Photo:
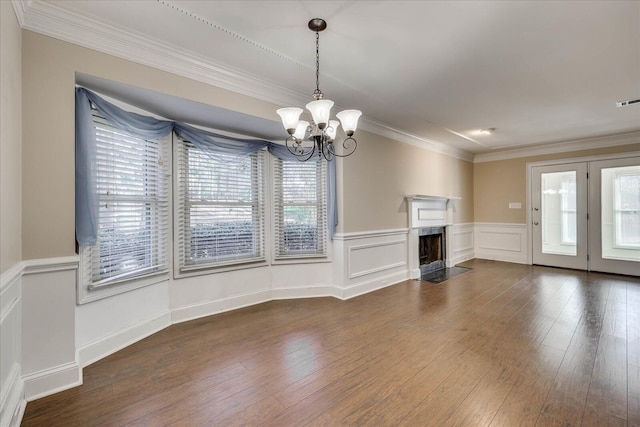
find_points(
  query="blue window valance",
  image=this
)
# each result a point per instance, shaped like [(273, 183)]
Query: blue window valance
[(151, 128)]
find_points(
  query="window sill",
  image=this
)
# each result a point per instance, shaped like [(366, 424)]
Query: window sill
[(206, 270), (85, 295), (302, 260)]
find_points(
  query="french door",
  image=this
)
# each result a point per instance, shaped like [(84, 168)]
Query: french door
[(586, 215), (614, 210), (559, 215)]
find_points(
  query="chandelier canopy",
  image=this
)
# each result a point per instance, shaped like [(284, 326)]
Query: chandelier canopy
[(319, 134)]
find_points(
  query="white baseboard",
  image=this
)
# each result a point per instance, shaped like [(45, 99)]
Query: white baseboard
[(51, 381), (196, 311), (112, 343)]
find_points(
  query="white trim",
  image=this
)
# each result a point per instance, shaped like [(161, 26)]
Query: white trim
[(382, 129), (501, 242), (49, 265), (499, 224), (561, 147), (53, 21), (20, 9), (13, 403), (110, 344), (12, 274), (369, 234), (372, 285), (312, 291), (353, 275), (52, 380), (461, 253), (209, 308), (11, 290), (529, 195)]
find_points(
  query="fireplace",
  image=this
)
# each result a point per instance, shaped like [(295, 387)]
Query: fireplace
[(430, 240), (431, 249)]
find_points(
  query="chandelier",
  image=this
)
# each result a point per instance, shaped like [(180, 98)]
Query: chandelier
[(319, 134)]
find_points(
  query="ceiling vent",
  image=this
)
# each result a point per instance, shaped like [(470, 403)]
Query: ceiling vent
[(626, 103)]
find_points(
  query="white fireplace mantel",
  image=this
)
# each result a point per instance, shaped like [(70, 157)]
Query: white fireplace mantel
[(429, 211)]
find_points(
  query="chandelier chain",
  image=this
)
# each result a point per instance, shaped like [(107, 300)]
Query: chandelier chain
[(317, 94)]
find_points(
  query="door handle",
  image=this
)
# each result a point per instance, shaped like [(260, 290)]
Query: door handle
[(535, 223), (536, 209)]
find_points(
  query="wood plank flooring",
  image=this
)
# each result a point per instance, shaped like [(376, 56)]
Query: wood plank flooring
[(502, 345)]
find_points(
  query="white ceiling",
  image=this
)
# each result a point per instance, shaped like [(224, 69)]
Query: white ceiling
[(539, 72)]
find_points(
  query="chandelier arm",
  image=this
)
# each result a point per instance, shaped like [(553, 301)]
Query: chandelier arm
[(311, 153), (346, 144), (298, 150), (326, 150)]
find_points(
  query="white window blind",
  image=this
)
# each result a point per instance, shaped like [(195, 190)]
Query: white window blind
[(133, 179), (220, 208), (300, 209)]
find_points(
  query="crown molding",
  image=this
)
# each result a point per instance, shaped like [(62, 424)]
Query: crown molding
[(387, 131), (20, 7), (562, 147), (53, 21)]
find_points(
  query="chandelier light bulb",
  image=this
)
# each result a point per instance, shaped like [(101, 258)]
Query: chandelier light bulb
[(349, 120), (301, 130), (332, 129), (290, 117), (320, 111)]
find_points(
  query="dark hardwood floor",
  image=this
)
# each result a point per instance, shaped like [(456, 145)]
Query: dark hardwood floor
[(502, 345)]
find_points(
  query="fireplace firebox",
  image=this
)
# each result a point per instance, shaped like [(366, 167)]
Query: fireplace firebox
[(431, 249)]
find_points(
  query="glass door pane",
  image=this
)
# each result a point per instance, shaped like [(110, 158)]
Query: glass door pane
[(620, 216), (558, 213), (614, 228)]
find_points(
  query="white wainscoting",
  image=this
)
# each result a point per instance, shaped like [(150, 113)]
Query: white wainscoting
[(369, 261), (111, 324), (501, 242), (12, 402), (461, 241), (49, 356)]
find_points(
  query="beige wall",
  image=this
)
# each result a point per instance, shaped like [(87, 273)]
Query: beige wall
[(383, 171), (375, 180), (497, 183), (49, 68), (10, 138)]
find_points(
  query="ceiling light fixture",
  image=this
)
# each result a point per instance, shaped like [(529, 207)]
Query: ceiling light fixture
[(321, 131), (487, 131)]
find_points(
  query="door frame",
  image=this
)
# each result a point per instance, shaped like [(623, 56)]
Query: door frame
[(580, 259), (529, 195)]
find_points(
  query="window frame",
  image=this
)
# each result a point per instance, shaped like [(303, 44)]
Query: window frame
[(180, 271), (322, 207), (90, 290), (617, 212)]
